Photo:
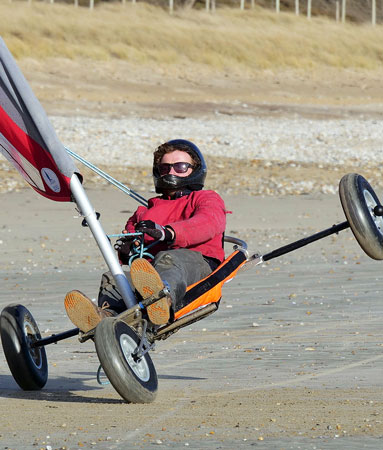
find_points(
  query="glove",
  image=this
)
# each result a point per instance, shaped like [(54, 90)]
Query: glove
[(158, 232), (123, 247)]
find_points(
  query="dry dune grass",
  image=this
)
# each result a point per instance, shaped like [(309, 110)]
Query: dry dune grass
[(229, 40)]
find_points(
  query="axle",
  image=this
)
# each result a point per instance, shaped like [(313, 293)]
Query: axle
[(55, 338), (307, 240)]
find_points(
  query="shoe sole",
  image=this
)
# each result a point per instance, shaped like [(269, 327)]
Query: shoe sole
[(148, 282), (81, 311)]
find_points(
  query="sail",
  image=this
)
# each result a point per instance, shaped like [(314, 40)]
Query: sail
[(27, 138)]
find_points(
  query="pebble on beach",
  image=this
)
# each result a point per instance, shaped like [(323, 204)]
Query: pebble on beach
[(252, 155)]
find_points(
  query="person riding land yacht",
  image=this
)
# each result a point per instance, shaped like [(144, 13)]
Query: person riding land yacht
[(188, 223)]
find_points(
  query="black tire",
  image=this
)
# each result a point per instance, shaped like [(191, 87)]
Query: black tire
[(358, 201), (19, 330), (135, 381)]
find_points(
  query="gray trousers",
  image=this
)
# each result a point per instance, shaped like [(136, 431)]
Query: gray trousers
[(177, 268), (180, 268)]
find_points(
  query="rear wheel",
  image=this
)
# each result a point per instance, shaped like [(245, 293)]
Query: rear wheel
[(27, 364), (135, 379), (361, 207)]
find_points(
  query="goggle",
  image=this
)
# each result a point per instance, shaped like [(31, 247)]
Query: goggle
[(179, 167)]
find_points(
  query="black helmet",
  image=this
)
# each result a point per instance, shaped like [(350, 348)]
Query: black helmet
[(193, 182)]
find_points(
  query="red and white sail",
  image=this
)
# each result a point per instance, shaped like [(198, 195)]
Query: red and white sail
[(27, 138)]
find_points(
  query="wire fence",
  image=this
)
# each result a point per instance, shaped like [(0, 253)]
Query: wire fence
[(300, 7)]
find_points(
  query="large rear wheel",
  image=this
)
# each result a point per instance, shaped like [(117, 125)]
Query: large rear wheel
[(19, 331), (363, 212), (135, 379)]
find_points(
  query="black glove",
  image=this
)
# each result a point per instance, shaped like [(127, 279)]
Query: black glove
[(158, 232), (123, 247)]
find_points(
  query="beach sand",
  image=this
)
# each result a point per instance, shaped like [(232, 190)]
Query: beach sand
[(292, 358)]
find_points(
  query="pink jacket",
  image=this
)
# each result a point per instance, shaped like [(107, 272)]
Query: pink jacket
[(198, 219)]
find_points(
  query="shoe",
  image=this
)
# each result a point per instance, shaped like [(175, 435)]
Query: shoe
[(148, 282), (83, 313)]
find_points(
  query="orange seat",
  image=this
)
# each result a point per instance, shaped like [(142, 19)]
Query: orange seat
[(208, 290)]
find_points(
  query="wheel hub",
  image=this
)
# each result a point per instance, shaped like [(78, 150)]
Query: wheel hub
[(138, 366), (372, 205), (33, 351)]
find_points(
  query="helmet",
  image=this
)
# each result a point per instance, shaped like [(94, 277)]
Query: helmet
[(193, 182)]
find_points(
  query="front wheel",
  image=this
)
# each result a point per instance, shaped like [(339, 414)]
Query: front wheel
[(134, 379), (27, 364), (361, 207)]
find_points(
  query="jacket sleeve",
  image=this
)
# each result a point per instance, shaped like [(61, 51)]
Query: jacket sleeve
[(134, 219), (207, 221)]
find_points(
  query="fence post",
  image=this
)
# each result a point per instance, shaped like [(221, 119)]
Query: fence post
[(242, 5), (91, 4), (337, 11), (213, 6), (171, 6), (277, 6), (207, 5), (343, 11), (297, 7), (76, 3), (309, 9), (373, 13)]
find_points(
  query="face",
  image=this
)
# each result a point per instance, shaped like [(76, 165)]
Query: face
[(177, 156)]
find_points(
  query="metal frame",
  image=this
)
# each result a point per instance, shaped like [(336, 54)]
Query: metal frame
[(305, 241), (171, 328), (103, 243)]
